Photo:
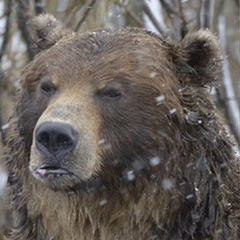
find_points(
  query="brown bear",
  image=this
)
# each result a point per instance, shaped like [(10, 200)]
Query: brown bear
[(115, 136)]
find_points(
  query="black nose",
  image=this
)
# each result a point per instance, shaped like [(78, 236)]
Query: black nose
[(54, 138)]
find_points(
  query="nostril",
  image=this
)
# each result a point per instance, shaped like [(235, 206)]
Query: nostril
[(64, 141), (58, 139), (43, 138)]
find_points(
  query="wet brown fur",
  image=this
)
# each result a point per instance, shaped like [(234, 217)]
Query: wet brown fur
[(191, 194)]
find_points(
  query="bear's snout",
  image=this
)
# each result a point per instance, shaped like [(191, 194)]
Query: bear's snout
[(56, 139)]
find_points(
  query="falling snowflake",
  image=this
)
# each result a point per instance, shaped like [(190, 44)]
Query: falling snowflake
[(160, 99), (189, 196), (153, 74), (167, 184), (130, 175), (155, 161), (101, 141), (172, 111), (103, 202)]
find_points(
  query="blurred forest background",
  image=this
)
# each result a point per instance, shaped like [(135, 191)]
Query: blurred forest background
[(171, 18)]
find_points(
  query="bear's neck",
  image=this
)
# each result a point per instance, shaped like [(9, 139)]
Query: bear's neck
[(134, 209)]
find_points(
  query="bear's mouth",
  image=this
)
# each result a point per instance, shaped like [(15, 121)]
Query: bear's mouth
[(48, 171)]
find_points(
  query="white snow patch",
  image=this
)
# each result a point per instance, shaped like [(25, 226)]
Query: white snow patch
[(130, 175), (153, 74), (167, 184), (5, 127), (172, 111), (101, 141), (155, 161), (103, 202), (189, 196), (160, 99)]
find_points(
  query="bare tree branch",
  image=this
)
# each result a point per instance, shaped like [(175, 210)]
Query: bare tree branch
[(198, 16), (2, 135), (7, 26), (177, 18), (169, 9), (88, 7), (237, 3), (148, 12), (232, 108), (207, 14), (40, 6), (183, 22), (2, 51), (23, 15), (134, 17)]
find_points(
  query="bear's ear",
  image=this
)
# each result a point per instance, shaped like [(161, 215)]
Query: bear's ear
[(200, 58), (46, 31)]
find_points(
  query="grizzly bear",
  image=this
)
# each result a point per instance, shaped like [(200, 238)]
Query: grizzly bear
[(115, 137)]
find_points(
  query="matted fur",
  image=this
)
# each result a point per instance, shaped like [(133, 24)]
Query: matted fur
[(154, 161)]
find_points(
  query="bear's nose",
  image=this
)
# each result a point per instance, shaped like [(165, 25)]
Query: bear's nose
[(54, 138)]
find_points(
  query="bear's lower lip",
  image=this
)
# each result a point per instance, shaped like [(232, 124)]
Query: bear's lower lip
[(51, 171)]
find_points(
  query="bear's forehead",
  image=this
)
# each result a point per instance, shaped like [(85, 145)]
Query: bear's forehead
[(102, 54), (110, 43)]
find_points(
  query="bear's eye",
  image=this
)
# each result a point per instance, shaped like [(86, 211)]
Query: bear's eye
[(110, 93), (48, 87)]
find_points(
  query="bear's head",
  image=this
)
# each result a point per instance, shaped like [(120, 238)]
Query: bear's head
[(107, 106)]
